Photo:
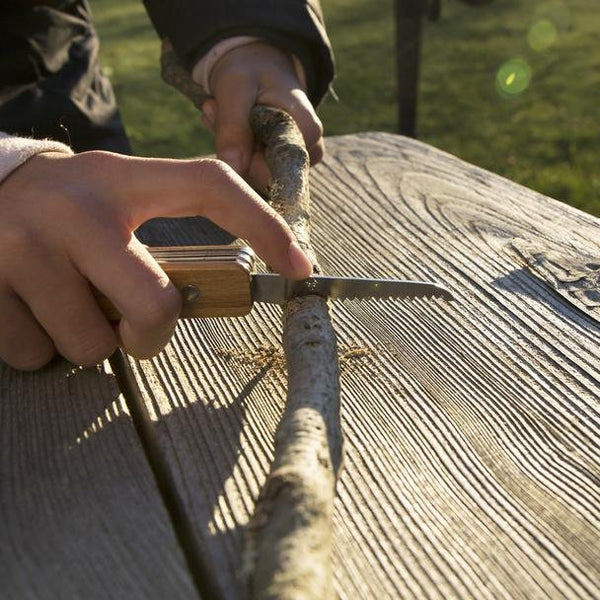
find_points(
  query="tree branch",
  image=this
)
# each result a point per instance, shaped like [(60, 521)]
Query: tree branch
[(290, 537), (288, 552)]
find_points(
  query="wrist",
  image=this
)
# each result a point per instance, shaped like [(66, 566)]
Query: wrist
[(14, 151), (203, 69)]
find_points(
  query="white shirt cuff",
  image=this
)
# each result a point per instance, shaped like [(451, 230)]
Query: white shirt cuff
[(14, 151)]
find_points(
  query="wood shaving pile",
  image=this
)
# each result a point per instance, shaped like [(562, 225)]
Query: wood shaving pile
[(272, 357), (260, 357)]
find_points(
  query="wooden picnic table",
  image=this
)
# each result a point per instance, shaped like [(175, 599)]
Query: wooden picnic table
[(472, 427)]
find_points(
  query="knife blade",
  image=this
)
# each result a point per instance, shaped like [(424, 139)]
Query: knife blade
[(218, 281), (274, 289)]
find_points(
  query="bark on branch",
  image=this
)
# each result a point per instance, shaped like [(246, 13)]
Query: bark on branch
[(176, 76), (290, 536)]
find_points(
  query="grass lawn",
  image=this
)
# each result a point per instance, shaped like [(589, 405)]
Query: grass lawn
[(512, 87)]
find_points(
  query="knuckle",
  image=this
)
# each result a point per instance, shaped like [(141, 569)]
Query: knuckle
[(213, 167), (160, 310), (17, 241), (89, 348), (212, 172), (31, 357), (82, 169), (90, 177), (313, 132)]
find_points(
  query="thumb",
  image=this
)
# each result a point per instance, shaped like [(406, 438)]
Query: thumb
[(144, 188)]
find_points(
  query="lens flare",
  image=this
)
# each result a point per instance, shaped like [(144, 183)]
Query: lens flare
[(542, 34), (513, 77)]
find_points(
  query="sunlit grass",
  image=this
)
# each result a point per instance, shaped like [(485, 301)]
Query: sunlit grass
[(159, 121), (540, 127)]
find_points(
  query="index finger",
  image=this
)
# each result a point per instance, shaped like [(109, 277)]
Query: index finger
[(148, 188)]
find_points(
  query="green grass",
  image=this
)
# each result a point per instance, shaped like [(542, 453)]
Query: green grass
[(545, 137)]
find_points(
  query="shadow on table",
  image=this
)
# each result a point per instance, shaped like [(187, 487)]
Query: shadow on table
[(194, 450)]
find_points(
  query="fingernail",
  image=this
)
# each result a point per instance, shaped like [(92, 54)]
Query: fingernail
[(233, 158), (300, 263)]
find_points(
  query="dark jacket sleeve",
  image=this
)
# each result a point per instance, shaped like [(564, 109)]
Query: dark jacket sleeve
[(194, 26)]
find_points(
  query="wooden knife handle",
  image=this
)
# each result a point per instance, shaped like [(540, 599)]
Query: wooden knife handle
[(214, 281)]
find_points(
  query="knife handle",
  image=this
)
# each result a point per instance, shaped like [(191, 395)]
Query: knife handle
[(214, 281)]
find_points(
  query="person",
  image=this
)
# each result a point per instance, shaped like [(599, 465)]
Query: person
[(72, 196)]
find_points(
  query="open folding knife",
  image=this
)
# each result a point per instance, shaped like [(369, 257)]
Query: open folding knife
[(218, 281)]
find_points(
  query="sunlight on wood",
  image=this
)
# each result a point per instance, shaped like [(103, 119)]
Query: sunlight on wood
[(117, 409)]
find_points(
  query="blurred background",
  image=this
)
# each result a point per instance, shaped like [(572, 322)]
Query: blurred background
[(513, 86)]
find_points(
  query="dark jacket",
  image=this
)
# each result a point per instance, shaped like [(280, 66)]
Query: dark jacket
[(51, 84), (193, 26)]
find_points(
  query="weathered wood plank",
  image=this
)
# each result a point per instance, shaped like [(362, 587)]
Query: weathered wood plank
[(472, 428), (80, 515)]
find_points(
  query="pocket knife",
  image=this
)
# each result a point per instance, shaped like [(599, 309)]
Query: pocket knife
[(219, 281)]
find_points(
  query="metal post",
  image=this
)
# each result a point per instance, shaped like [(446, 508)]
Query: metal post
[(409, 24)]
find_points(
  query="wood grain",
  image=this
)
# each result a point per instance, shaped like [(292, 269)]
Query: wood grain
[(472, 428), (80, 515)]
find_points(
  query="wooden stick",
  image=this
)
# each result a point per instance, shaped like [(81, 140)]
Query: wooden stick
[(290, 537), (288, 552), (289, 164), (175, 75)]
